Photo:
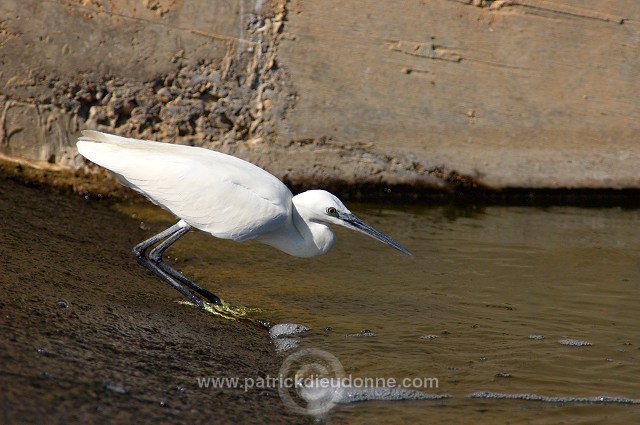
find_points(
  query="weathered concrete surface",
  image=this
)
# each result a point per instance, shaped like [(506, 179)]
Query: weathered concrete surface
[(440, 93), (167, 69), (524, 93)]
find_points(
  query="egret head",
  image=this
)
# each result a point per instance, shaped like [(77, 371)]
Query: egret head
[(320, 206)]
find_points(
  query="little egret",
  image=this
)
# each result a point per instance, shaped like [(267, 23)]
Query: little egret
[(221, 195)]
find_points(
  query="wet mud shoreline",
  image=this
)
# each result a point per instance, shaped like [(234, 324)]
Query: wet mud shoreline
[(101, 185), (88, 336)]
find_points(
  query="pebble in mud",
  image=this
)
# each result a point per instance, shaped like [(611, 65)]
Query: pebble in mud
[(116, 388)]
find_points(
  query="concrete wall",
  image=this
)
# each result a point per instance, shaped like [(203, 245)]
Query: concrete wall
[(523, 93)]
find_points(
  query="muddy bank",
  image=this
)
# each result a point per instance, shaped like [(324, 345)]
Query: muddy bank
[(88, 336), (98, 183)]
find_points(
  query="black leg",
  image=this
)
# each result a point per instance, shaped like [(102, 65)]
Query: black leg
[(156, 257), (154, 262)]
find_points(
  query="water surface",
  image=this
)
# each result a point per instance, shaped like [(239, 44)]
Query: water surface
[(482, 306)]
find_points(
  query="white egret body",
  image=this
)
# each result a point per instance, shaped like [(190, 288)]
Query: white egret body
[(222, 195)]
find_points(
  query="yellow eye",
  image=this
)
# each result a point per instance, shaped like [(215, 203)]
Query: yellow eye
[(332, 211)]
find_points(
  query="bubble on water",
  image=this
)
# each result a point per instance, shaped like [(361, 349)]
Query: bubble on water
[(429, 337), (284, 336), (287, 329), (574, 342), (602, 399), (286, 344), (536, 337)]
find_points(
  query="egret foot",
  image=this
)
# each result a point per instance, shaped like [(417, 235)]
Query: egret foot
[(226, 310)]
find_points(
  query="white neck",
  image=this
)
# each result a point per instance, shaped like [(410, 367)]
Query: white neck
[(300, 236)]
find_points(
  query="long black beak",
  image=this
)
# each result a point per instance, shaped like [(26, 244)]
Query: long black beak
[(352, 222)]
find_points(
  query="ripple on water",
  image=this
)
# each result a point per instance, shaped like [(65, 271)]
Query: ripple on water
[(602, 399), (505, 290), (362, 333), (574, 342), (353, 395)]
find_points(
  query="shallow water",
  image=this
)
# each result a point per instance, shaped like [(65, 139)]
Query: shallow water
[(482, 306)]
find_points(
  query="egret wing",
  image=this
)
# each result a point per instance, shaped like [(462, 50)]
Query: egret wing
[(211, 191)]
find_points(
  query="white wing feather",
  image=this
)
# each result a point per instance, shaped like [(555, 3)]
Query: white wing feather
[(217, 193)]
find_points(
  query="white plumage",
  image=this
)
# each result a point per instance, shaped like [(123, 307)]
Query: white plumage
[(211, 191)]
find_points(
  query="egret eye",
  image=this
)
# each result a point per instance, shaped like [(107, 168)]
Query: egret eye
[(332, 211)]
